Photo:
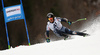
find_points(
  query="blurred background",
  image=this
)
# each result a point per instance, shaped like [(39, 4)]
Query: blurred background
[(35, 13)]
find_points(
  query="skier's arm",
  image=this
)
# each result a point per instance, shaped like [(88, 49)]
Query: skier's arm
[(47, 34), (47, 31), (66, 20), (47, 37)]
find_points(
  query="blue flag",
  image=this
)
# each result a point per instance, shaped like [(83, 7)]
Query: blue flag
[(13, 13)]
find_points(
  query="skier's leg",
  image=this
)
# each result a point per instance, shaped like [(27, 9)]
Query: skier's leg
[(68, 31), (58, 33)]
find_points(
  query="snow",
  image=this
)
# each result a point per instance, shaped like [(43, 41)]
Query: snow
[(78, 46)]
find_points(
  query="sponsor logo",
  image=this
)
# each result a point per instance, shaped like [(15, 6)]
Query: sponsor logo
[(14, 18), (13, 10)]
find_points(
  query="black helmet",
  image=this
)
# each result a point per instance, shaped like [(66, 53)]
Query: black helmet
[(50, 15)]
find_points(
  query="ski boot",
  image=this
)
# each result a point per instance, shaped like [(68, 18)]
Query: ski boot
[(82, 34), (86, 35), (65, 37)]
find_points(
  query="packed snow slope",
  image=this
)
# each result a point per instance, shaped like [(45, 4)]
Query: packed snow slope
[(78, 46)]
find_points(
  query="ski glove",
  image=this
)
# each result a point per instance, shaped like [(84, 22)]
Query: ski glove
[(69, 22), (47, 39)]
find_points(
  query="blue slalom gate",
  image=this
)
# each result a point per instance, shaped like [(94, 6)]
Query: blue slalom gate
[(13, 13)]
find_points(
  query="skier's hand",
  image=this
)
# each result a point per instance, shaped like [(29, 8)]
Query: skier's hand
[(69, 22), (47, 39)]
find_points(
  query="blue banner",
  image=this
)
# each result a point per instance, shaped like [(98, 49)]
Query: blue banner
[(13, 13)]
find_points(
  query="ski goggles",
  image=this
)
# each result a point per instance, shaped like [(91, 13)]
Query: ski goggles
[(50, 19)]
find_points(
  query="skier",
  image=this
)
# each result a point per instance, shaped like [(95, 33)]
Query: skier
[(54, 23)]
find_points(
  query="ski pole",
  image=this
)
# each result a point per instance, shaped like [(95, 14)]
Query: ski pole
[(79, 20)]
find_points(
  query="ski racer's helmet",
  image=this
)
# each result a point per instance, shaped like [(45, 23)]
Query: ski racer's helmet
[(50, 15)]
